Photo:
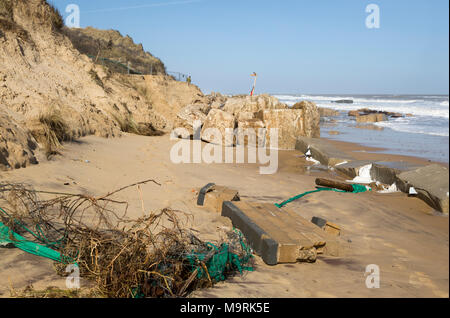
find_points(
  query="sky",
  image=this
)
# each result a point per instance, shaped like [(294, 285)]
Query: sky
[(295, 46)]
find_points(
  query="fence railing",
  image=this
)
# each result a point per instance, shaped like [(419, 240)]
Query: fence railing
[(127, 68), (178, 76)]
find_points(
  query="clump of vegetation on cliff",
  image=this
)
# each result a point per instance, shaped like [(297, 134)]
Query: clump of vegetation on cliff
[(45, 12), (50, 131), (128, 124), (107, 46)]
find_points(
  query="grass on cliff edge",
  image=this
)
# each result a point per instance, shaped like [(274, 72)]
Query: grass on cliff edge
[(51, 132), (128, 124), (55, 17), (49, 14)]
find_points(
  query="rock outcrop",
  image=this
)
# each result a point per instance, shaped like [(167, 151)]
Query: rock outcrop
[(328, 112), (219, 128), (250, 132), (253, 104), (190, 117), (344, 101), (371, 118), (291, 124)]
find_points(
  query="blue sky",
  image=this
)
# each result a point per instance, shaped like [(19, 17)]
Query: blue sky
[(295, 46)]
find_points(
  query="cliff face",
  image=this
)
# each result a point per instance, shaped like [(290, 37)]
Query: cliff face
[(112, 45), (50, 92)]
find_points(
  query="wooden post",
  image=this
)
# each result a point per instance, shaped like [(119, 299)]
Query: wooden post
[(334, 184), (254, 83)]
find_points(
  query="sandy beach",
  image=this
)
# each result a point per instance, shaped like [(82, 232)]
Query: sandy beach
[(93, 125), (401, 235)]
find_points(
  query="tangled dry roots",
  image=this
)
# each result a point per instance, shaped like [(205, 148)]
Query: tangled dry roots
[(147, 257)]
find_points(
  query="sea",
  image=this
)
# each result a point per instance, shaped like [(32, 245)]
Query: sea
[(423, 133)]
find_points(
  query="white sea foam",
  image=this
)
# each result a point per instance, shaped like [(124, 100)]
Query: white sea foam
[(363, 175), (414, 129), (392, 189), (416, 107)]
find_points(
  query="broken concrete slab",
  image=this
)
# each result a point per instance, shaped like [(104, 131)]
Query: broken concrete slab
[(322, 151), (431, 184), (218, 128), (386, 171), (382, 171), (279, 235), (216, 195), (351, 169)]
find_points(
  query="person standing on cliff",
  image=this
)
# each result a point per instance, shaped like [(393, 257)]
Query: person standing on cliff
[(189, 80)]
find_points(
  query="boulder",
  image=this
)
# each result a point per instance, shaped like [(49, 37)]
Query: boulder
[(292, 123), (344, 101), (217, 105), (431, 184), (328, 112), (186, 118), (303, 104), (235, 105), (371, 118), (253, 104), (353, 113), (245, 116), (248, 133), (367, 111), (219, 120), (204, 108), (215, 101)]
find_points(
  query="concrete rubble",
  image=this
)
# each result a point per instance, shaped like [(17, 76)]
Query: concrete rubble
[(431, 182)]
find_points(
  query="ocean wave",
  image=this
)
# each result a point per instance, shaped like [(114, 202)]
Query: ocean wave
[(353, 98), (415, 107), (413, 128)]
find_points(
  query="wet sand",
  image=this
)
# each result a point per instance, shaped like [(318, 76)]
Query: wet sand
[(401, 235)]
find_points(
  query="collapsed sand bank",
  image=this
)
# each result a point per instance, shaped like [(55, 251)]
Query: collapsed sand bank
[(398, 233)]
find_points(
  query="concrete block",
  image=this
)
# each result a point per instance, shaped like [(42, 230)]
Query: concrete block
[(351, 169), (322, 151), (278, 235), (386, 172), (214, 199), (431, 184)]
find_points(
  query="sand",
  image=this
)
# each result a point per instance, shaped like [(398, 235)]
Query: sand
[(403, 236)]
